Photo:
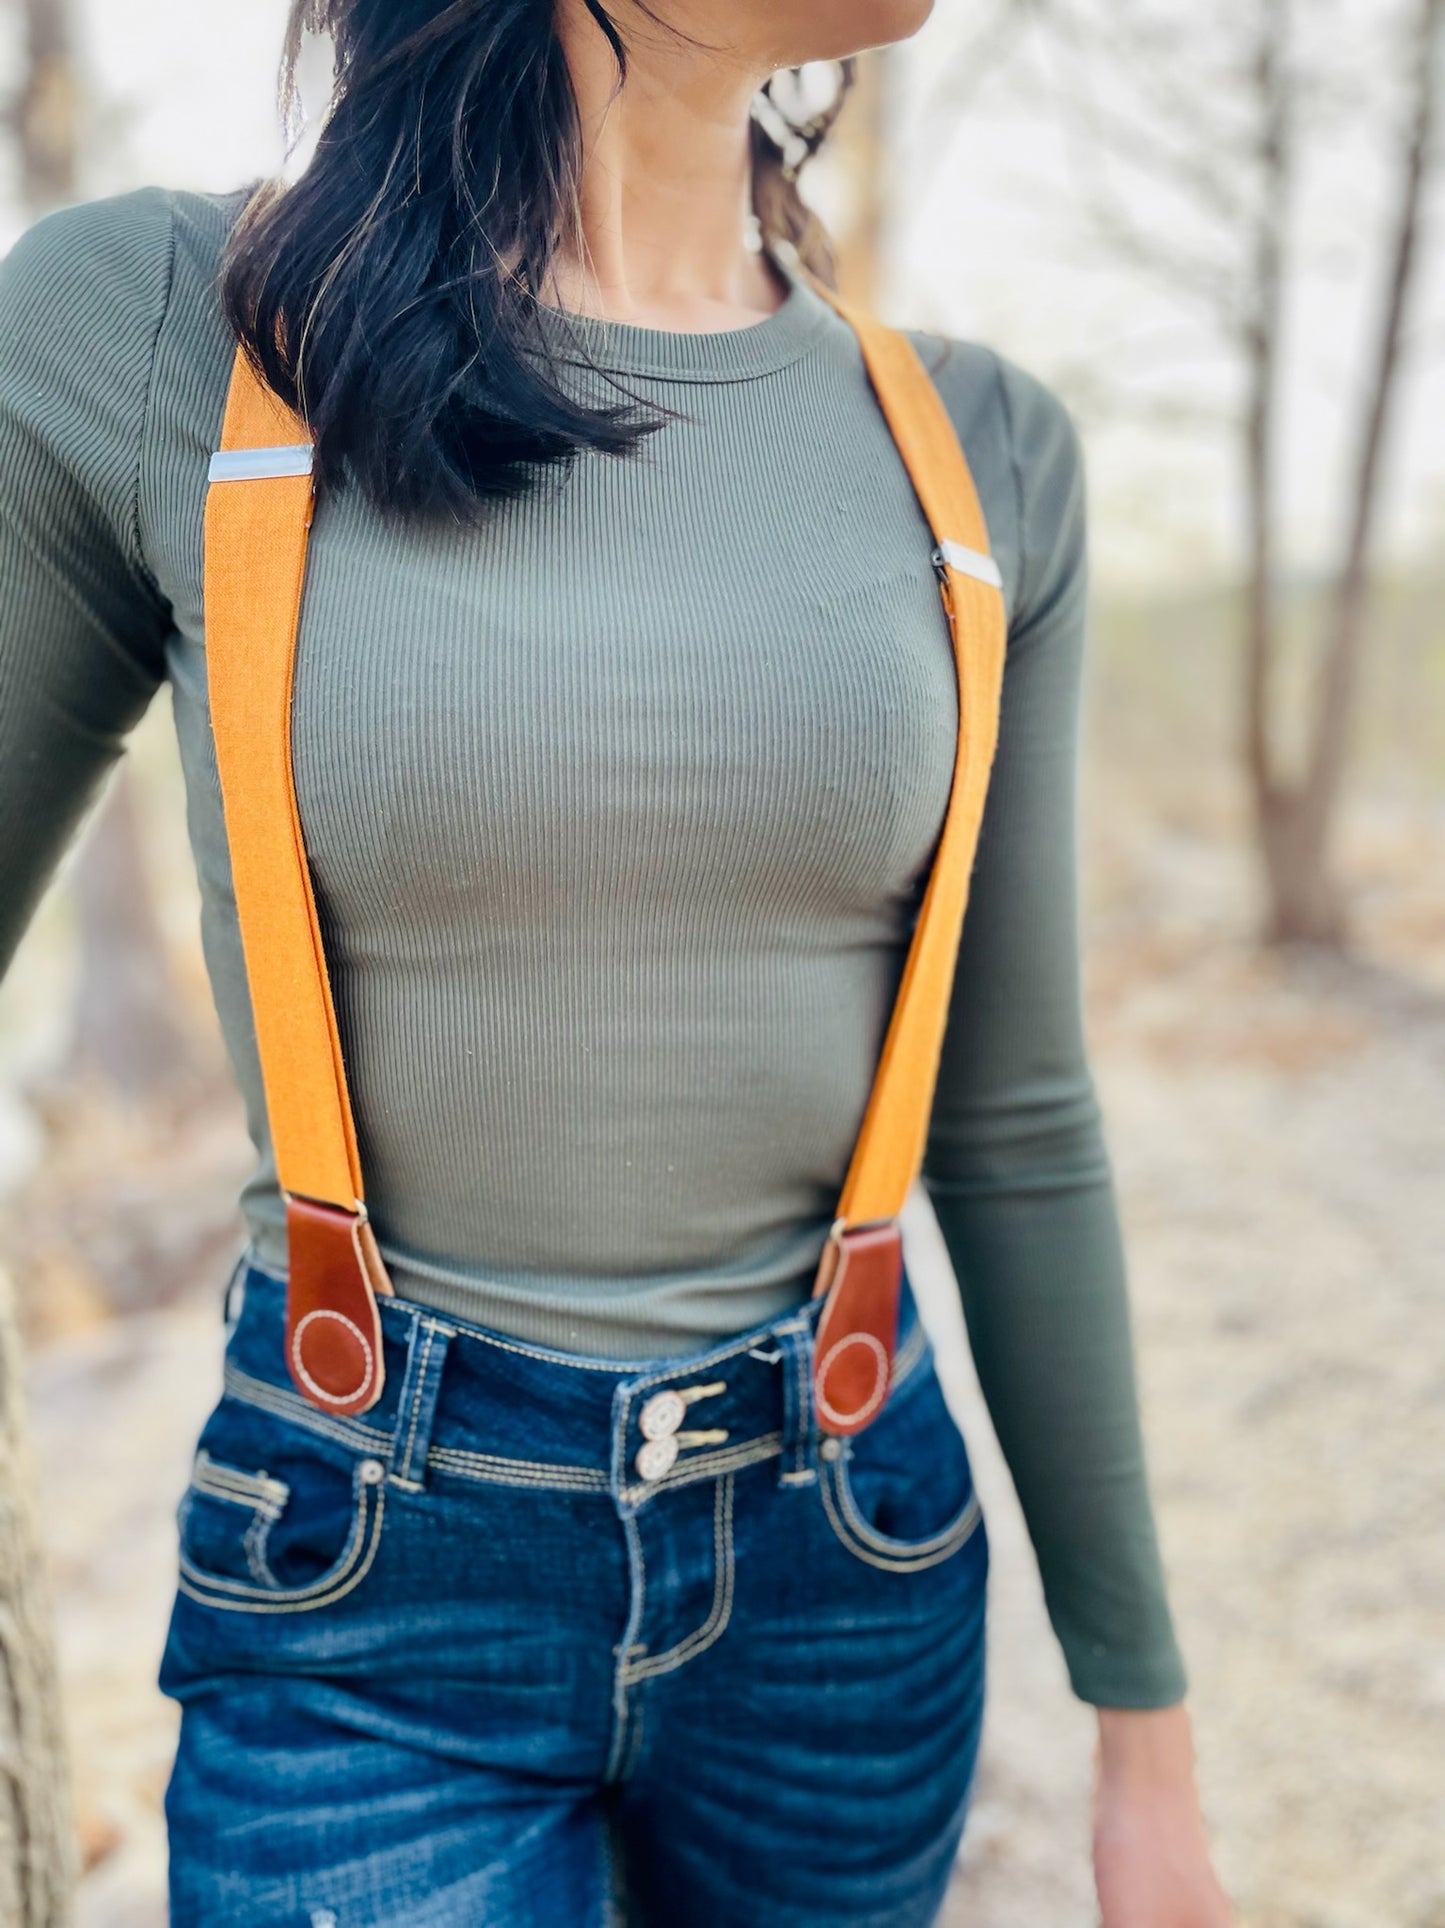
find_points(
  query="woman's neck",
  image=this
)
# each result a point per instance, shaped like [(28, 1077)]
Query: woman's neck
[(665, 186)]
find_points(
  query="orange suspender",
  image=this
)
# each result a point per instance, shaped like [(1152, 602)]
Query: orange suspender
[(257, 520), (258, 517), (862, 1262)]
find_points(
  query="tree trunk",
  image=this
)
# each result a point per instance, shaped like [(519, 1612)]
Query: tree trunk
[(37, 1856), (1262, 363), (1302, 901), (1306, 905), (1306, 902), (45, 115), (124, 1027)]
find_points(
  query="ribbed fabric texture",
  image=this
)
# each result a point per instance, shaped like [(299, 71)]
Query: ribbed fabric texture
[(619, 812)]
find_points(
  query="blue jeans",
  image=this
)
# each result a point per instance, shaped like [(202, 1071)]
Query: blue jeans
[(548, 1641)]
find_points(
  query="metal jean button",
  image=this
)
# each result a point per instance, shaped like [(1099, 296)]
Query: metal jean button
[(662, 1414), (656, 1457)]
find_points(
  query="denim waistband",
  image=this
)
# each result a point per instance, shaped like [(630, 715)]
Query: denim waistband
[(463, 1400)]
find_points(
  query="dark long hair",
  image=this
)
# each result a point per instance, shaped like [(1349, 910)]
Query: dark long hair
[(389, 294)]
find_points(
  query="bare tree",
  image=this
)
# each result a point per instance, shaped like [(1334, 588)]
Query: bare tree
[(44, 114), (1295, 821), (37, 1852), (1206, 114), (123, 1026)]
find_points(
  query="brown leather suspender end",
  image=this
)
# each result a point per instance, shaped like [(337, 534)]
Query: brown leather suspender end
[(333, 1323), (859, 1278), (258, 518)]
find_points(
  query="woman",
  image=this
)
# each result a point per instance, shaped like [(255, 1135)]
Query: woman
[(622, 728)]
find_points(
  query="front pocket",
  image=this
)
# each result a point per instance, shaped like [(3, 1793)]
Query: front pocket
[(900, 1495), (880, 1549), (253, 1541)]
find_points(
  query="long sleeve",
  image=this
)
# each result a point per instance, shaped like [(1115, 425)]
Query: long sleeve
[(82, 623), (1016, 1164)]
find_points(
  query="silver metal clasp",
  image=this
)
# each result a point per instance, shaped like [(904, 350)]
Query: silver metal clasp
[(968, 562), (250, 465)]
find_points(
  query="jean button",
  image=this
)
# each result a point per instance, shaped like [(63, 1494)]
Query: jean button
[(662, 1414), (656, 1457)]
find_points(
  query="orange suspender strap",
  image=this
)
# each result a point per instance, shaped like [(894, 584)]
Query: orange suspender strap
[(257, 520), (258, 517), (862, 1262)]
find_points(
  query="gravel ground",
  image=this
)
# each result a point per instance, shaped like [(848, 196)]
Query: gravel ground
[(1286, 1221)]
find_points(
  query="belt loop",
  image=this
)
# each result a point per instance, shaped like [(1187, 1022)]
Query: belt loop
[(426, 1355), (798, 1464), (234, 1295)]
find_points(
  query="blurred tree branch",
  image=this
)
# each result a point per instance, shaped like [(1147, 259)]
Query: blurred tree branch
[(1340, 673), (1199, 123)]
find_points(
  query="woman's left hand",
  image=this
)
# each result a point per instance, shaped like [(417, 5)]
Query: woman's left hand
[(1151, 1856)]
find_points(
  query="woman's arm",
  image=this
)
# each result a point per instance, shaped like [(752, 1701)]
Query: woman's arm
[(1016, 1162), (1018, 1171), (82, 623)]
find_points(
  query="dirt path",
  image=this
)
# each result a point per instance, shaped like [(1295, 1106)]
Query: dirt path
[(1279, 1151)]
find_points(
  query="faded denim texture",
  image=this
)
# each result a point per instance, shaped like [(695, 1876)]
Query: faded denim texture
[(458, 1663)]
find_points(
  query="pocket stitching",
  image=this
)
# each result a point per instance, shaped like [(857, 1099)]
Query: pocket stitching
[(876, 1549), (352, 1566), (261, 1491), (255, 1540)]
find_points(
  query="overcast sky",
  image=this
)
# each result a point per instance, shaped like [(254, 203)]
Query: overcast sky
[(988, 242)]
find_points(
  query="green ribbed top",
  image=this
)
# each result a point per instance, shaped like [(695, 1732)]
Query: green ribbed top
[(619, 811)]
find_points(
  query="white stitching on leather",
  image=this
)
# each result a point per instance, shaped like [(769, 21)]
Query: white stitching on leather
[(332, 1398), (880, 1387)]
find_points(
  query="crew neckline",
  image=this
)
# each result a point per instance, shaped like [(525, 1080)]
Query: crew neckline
[(709, 355)]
